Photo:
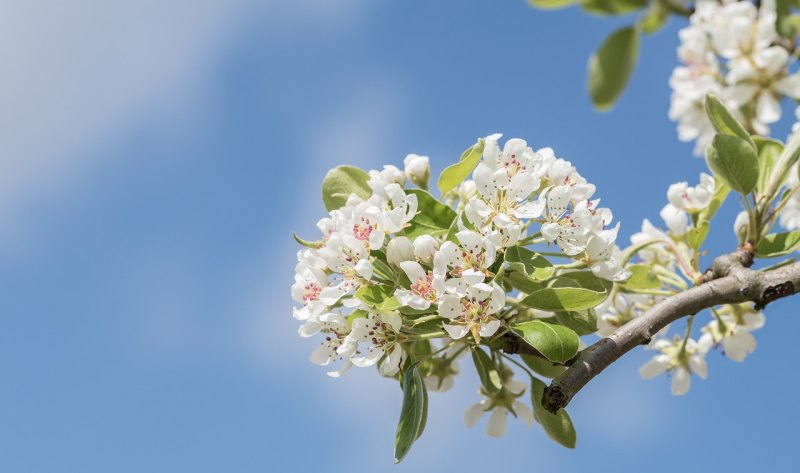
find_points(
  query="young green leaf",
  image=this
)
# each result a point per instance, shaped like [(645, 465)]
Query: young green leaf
[(721, 191), (551, 4), (611, 67), (378, 296), (455, 174), (724, 121), (769, 151), (558, 426), (655, 18), (534, 265), (309, 244), (487, 371), (642, 278), (778, 244), (556, 342), (412, 413), (612, 7), (433, 217), (734, 161), (342, 181), (697, 235)]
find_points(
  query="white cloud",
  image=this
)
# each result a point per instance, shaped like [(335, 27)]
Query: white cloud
[(76, 74)]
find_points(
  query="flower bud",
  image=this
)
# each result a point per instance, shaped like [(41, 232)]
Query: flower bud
[(676, 220), (398, 250), (417, 170), (466, 190), (741, 225), (424, 248)]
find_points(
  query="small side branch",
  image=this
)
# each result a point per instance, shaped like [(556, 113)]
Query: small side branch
[(729, 281)]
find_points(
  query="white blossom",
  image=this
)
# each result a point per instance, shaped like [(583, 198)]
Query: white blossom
[(380, 334), (692, 199), (680, 360), (734, 332), (500, 405), (677, 220), (426, 286), (417, 169), (473, 313), (425, 247), (398, 250), (335, 328)]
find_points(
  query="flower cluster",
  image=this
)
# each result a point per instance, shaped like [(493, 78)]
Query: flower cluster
[(409, 283), (670, 259), (730, 49)]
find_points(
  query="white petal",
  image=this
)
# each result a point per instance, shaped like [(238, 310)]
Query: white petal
[(455, 331), (681, 381), (488, 329), (524, 412), (654, 367), (473, 414), (498, 422), (738, 346)]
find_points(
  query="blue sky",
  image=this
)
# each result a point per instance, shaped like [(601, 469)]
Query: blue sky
[(155, 158)]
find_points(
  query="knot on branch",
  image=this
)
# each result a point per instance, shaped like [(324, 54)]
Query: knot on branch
[(554, 399), (774, 292), (726, 264)]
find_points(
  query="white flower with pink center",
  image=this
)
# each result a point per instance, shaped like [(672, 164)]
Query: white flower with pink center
[(335, 328), (569, 230), (309, 280), (426, 286), (473, 313), (692, 199), (468, 262), (348, 258), (381, 335)]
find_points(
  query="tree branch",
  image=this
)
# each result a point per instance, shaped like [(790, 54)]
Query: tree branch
[(728, 281)]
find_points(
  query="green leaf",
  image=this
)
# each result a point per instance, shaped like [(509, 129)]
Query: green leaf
[(487, 371), (455, 174), (412, 413), (787, 159), (612, 66), (787, 24), (534, 265), (558, 426), (697, 235), (433, 217), (310, 244), (578, 290), (556, 342), (734, 161), (655, 18), (378, 296), (551, 4), (583, 322), (724, 121), (769, 151), (525, 269), (642, 279), (778, 244), (342, 181), (612, 7), (543, 367)]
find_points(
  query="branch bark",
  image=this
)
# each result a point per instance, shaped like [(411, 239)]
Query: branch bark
[(728, 281)]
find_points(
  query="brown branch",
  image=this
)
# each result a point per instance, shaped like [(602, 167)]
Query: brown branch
[(729, 281)]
